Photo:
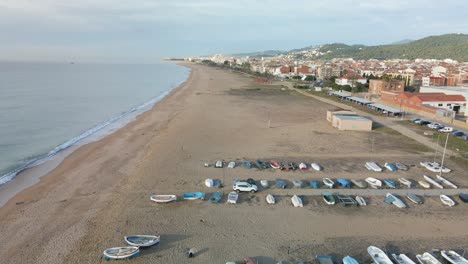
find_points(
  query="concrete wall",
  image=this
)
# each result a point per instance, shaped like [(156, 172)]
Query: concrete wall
[(355, 125)]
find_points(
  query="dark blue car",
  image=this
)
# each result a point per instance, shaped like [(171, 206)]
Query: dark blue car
[(458, 133)]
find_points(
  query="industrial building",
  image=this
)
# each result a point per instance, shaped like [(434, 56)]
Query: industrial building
[(347, 120)]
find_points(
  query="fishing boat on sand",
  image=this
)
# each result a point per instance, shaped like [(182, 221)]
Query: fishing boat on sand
[(316, 166), (163, 198), (121, 252), (424, 184), (401, 166), (344, 182), (361, 201), (314, 184), (359, 183), (433, 182), (405, 182), (270, 199), (264, 183), (370, 165), (216, 197), (390, 183), (328, 198), (393, 199), (445, 199), (232, 164), (302, 166), (378, 255), (390, 166), (414, 198), (427, 258), (194, 195), (297, 183), (328, 182), (349, 260), (296, 201), (463, 197), (402, 259), (232, 197), (446, 182), (281, 183), (373, 182), (274, 164), (246, 164), (142, 240), (453, 257)]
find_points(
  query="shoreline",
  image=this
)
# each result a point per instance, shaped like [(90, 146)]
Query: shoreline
[(32, 175)]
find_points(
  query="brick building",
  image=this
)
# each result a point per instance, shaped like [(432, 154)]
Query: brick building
[(376, 86)]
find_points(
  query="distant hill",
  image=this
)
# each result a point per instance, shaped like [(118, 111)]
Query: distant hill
[(266, 53), (403, 41), (453, 46)]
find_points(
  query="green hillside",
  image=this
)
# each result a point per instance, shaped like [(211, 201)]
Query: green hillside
[(453, 46)]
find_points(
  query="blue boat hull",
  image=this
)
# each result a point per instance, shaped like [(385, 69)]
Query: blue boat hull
[(194, 195)]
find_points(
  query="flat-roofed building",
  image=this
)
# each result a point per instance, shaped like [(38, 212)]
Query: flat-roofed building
[(348, 120)]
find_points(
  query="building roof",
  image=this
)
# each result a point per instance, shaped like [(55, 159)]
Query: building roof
[(359, 100), (386, 108), (449, 88), (436, 97), (352, 117)]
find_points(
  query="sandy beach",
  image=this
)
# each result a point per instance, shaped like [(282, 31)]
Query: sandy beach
[(100, 192)]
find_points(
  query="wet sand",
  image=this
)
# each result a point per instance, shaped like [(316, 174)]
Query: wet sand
[(101, 191)]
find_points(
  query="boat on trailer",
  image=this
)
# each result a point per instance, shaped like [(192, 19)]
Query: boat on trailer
[(453, 257)]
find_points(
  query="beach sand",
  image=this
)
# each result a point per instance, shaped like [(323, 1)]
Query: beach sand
[(100, 192)]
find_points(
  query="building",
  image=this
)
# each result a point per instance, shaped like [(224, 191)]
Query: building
[(347, 120), (327, 70), (376, 86), (302, 70), (350, 80), (450, 90), (428, 102)]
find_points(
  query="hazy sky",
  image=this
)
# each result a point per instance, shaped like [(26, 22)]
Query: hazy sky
[(144, 30)]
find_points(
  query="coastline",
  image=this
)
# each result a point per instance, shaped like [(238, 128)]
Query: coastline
[(41, 168)]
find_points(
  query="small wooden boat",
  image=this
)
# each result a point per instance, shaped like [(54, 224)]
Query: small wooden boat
[(446, 182), (216, 197), (274, 164), (373, 182), (314, 184), (163, 198), (328, 198), (281, 183), (378, 255), (414, 198), (142, 240), (453, 257), (463, 197), (361, 201), (401, 166), (373, 166), (264, 183), (391, 198), (297, 183), (427, 258), (447, 200), (390, 183), (219, 164), (270, 199), (405, 182), (232, 197), (316, 166), (424, 184), (302, 166), (359, 183), (349, 260), (121, 252), (328, 182), (344, 182), (433, 182), (402, 259), (231, 164), (246, 164), (194, 195), (296, 201), (390, 166)]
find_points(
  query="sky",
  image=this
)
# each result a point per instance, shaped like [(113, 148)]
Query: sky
[(145, 31)]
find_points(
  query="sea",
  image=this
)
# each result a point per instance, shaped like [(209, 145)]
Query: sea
[(46, 108)]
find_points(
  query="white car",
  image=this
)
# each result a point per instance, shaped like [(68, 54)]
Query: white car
[(242, 186), (434, 125), (446, 129)]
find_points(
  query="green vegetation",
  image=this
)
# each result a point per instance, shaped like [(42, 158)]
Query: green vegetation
[(452, 46)]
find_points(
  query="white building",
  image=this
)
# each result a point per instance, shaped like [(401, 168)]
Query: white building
[(438, 71), (350, 80), (450, 90)]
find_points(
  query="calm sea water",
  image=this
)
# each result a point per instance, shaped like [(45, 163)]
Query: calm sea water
[(46, 107)]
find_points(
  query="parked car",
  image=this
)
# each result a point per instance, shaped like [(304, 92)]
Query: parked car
[(242, 186), (415, 120), (446, 129), (418, 121), (458, 133), (434, 125), (424, 123)]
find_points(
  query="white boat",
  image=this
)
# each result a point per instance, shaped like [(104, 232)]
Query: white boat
[(349, 260), (405, 182), (395, 200), (296, 201), (316, 166), (424, 184), (270, 199), (328, 182), (447, 200), (390, 166), (373, 182), (427, 258), (297, 183), (219, 164), (453, 257), (360, 200), (264, 183), (370, 165), (121, 252), (434, 167), (163, 198), (359, 183), (209, 183), (414, 198), (302, 166), (232, 164), (378, 255), (433, 182), (232, 197), (402, 259), (446, 182), (142, 240)]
